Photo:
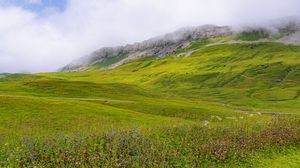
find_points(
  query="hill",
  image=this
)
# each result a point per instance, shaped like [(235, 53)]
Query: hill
[(218, 80), (263, 75)]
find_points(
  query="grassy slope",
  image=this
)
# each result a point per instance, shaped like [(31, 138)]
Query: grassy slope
[(154, 93), (214, 80), (32, 105), (289, 158), (262, 76)]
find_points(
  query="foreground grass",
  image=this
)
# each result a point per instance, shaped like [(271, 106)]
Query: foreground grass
[(187, 146), (283, 158)]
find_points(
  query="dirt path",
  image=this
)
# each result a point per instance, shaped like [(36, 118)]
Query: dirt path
[(262, 112), (220, 43), (68, 98), (240, 41), (251, 112)]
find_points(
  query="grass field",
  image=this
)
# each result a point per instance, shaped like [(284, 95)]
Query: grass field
[(227, 105)]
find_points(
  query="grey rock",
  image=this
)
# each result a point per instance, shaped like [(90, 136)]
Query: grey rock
[(158, 46)]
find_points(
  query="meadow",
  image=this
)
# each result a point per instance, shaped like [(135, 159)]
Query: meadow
[(225, 105)]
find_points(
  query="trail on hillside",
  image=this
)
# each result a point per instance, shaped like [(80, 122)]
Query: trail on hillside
[(260, 112), (232, 42), (128, 101), (67, 98)]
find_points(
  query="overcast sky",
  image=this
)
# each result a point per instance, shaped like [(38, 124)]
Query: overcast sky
[(44, 35)]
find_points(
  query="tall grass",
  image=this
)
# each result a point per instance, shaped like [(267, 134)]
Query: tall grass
[(187, 146)]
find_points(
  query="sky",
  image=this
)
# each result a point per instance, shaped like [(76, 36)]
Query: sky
[(44, 35)]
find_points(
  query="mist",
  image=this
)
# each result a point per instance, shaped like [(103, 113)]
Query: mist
[(45, 40)]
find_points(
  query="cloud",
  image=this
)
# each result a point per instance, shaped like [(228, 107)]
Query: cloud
[(48, 40)]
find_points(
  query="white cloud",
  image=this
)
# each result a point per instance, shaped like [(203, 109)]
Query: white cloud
[(32, 43)]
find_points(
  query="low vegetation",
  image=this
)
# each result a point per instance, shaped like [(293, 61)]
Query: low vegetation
[(188, 146), (253, 34)]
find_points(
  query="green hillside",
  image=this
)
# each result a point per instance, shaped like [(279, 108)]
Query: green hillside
[(170, 101), (259, 76)]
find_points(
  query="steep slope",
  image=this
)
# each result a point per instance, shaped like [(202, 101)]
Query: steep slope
[(158, 46)]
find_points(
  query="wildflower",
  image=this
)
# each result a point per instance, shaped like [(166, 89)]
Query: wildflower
[(219, 118), (206, 122)]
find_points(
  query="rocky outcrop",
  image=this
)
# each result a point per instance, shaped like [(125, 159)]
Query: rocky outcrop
[(291, 39), (285, 30), (158, 46)]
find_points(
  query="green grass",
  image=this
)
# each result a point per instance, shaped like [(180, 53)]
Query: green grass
[(252, 35), (177, 146), (42, 117), (214, 84), (258, 76), (288, 158), (107, 62)]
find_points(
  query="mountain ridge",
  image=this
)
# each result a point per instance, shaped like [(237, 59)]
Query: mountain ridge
[(159, 46), (284, 31)]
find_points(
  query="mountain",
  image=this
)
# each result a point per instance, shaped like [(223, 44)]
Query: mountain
[(285, 31), (111, 57)]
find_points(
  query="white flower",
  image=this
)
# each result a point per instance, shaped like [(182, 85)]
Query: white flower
[(206, 122)]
